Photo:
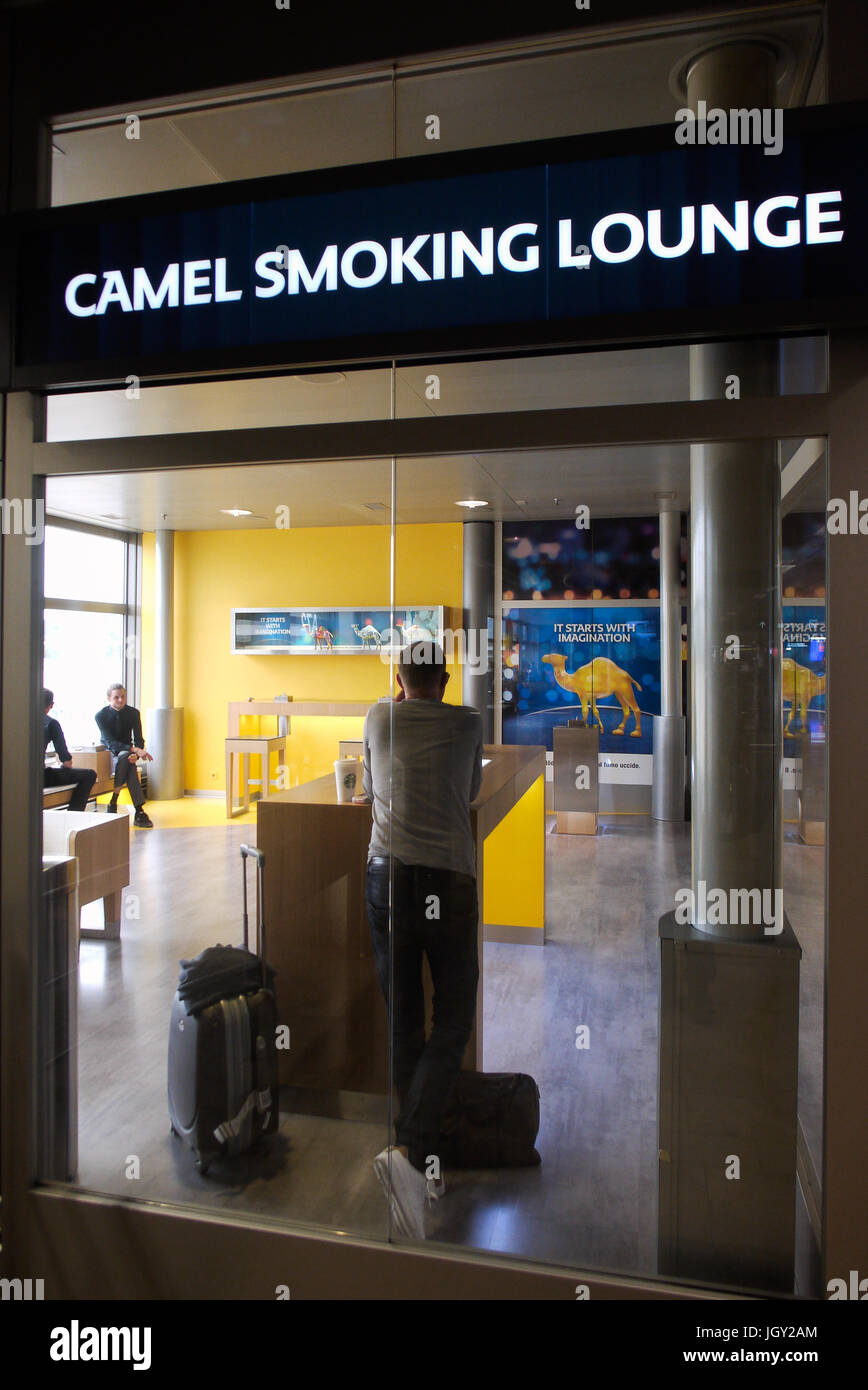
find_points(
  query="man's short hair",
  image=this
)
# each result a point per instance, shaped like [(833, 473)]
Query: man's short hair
[(47, 697), (116, 686), (422, 665)]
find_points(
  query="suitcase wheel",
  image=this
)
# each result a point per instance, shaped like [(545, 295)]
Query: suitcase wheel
[(203, 1164)]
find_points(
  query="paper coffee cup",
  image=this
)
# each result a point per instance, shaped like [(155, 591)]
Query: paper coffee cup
[(348, 772)]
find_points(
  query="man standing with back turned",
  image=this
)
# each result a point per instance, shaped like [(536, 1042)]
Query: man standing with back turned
[(423, 767)]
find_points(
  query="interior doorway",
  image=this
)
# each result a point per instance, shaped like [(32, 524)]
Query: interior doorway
[(593, 1199)]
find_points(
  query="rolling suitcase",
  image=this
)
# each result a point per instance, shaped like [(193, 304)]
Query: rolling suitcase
[(491, 1121), (222, 1044)]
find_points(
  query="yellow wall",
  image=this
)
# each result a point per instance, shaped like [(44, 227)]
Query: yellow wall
[(316, 567)]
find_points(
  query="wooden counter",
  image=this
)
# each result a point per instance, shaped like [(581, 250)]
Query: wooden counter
[(285, 709), (318, 935)]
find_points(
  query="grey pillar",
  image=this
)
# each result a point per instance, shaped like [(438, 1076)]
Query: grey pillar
[(165, 723), (735, 606), (669, 725), (729, 992), (479, 611)]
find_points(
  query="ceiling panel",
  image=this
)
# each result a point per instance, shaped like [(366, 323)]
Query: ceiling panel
[(609, 83), (465, 388), (100, 162), (614, 482), (314, 130)]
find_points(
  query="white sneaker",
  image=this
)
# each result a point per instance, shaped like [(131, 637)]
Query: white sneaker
[(407, 1191)]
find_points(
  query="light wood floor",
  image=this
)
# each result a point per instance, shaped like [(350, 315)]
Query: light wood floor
[(592, 1203)]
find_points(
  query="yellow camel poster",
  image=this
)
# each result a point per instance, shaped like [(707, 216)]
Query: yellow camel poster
[(599, 663)]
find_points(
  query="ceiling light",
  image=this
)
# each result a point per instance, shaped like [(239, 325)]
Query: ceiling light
[(471, 502), (235, 511), (321, 378)]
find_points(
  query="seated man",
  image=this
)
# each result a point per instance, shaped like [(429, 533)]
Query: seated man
[(83, 777), (121, 728)]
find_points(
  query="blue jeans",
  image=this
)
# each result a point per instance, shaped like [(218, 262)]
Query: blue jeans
[(435, 911)]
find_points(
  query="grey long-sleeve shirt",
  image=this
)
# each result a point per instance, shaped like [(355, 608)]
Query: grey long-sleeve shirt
[(423, 767)]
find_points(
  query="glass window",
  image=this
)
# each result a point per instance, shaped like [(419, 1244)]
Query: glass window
[(350, 123), (507, 95), (80, 565), (578, 649), (312, 564), (84, 654)]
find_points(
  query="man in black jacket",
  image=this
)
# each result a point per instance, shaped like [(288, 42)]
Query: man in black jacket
[(83, 777), (121, 728)]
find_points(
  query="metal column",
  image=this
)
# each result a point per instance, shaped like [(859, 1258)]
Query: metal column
[(165, 723), (735, 604), (729, 986), (669, 726), (479, 611)]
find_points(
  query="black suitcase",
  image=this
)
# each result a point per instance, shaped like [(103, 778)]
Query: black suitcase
[(491, 1121), (222, 1044)]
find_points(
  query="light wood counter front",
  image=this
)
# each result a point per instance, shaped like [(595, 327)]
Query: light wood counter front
[(319, 941), (285, 709)]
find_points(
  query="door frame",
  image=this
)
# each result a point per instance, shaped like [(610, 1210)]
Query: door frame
[(87, 1246)]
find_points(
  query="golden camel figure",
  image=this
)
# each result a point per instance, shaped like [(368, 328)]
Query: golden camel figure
[(596, 680), (800, 686)]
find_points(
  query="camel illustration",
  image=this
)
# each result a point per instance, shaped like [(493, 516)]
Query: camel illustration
[(413, 632), (324, 639), (403, 634), (369, 635), (593, 682), (800, 686)]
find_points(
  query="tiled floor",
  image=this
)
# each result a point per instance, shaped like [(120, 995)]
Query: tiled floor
[(593, 1201)]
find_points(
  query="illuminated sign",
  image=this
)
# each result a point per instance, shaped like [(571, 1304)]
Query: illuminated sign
[(331, 631), (365, 264), (498, 248)]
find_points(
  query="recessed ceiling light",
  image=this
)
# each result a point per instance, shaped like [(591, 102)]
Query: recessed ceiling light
[(471, 502), (321, 378), (235, 511)]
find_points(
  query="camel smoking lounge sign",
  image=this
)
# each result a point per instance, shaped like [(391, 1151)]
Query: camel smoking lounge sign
[(575, 240)]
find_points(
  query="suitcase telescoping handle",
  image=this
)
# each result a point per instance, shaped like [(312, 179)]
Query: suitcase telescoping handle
[(248, 852)]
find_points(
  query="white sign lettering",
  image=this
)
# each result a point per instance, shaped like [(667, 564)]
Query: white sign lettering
[(615, 239)]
